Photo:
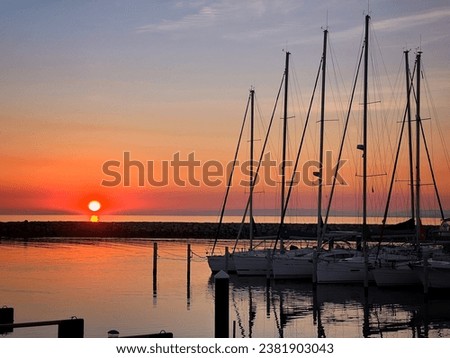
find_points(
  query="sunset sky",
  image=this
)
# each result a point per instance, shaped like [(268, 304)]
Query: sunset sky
[(83, 82)]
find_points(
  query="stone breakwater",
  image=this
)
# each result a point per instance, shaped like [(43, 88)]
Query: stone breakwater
[(41, 229)]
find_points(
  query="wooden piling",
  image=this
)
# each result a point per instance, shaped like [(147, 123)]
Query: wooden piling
[(6, 317), (221, 305), (155, 267), (188, 273)]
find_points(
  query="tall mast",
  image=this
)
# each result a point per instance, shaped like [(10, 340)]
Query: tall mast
[(322, 128), (285, 117), (365, 228), (418, 131), (408, 112), (366, 65), (252, 116)]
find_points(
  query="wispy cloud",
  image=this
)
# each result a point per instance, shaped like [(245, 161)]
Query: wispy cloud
[(414, 20), (211, 13), (399, 23), (206, 16)]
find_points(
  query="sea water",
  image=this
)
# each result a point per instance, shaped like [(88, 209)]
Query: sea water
[(110, 283)]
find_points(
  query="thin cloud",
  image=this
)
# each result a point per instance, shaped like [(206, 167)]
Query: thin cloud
[(398, 23), (221, 11), (205, 17), (401, 23)]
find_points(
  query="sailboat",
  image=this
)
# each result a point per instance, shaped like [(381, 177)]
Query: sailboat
[(408, 268), (259, 262), (225, 262), (298, 263), (433, 270), (353, 269), (393, 262), (251, 262), (302, 263)]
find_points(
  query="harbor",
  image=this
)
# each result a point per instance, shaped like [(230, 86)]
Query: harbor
[(211, 171), (79, 273)]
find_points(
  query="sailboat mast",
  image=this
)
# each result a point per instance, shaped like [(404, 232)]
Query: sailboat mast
[(321, 138), (283, 159), (365, 232), (252, 120), (418, 131), (366, 65), (408, 112)]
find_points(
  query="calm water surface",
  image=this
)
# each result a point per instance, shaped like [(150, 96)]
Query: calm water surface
[(109, 283)]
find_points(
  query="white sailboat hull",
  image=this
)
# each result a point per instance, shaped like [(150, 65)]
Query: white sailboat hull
[(436, 275), (343, 271), (221, 263), (288, 266), (398, 275), (394, 267), (253, 263)]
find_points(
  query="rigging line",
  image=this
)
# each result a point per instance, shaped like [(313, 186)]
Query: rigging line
[(434, 111), (396, 98), (410, 81), (432, 171), (261, 119), (338, 82), (230, 179), (331, 194), (297, 159), (375, 118), (388, 201), (260, 159), (296, 89)]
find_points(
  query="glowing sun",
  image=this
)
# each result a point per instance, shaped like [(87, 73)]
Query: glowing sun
[(94, 205)]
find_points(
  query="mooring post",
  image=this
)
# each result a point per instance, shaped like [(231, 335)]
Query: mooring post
[(155, 267), (221, 305), (71, 328), (6, 317), (188, 278)]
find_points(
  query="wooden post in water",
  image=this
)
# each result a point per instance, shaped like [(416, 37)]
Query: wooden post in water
[(221, 305), (155, 267), (188, 278), (6, 317)]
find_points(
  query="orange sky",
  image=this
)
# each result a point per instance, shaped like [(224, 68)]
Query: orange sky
[(84, 83)]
